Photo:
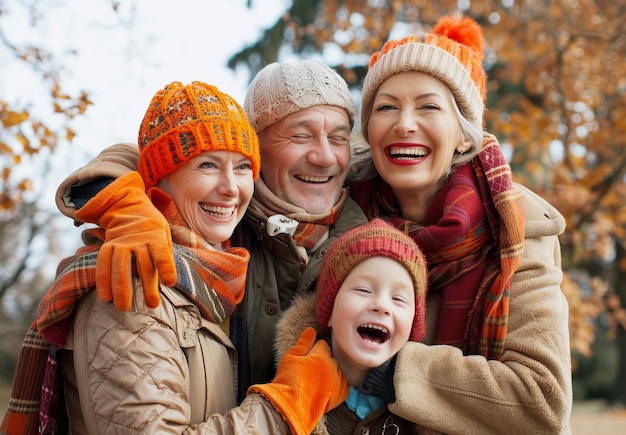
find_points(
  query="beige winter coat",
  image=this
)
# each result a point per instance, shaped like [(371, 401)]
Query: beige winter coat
[(156, 371), (528, 392)]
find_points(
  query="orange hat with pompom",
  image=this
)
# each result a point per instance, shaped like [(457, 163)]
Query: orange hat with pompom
[(453, 53)]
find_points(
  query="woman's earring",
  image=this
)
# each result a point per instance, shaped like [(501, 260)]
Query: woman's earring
[(464, 148)]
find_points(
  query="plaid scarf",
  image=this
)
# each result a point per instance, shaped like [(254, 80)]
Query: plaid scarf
[(473, 239), (213, 280), (312, 228)]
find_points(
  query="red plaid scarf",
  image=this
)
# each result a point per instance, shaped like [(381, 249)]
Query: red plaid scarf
[(473, 239), (35, 405), (210, 278)]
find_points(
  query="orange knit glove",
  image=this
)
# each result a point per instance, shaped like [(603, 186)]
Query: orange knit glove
[(133, 228), (308, 384)]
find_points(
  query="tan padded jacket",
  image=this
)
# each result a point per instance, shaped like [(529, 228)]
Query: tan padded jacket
[(156, 371)]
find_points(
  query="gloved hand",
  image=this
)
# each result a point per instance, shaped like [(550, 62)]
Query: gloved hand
[(379, 381), (308, 384), (133, 228)]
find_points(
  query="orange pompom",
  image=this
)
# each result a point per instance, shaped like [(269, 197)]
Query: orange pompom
[(463, 30)]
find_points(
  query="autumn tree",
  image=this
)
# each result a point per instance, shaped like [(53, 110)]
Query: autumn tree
[(23, 134), (556, 101), (30, 132)]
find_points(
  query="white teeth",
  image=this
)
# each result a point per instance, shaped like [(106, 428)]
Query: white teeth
[(221, 212), (380, 328), (310, 179), (417, 152)]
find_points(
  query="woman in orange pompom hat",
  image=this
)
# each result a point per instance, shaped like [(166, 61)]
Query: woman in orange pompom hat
[(496, 355)]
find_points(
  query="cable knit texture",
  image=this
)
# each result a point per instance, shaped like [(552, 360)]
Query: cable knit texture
[(281, 89), (375, 239), (183, 121), (453, 53)]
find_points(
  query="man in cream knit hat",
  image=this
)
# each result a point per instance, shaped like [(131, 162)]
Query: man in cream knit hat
[(303, 114)]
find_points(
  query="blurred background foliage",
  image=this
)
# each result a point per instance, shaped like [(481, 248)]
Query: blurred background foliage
[(556, 101)]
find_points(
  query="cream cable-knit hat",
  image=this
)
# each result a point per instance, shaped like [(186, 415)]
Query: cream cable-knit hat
[(281, 89)]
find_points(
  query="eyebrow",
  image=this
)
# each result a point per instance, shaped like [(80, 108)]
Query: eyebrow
[(307, 123), (418, 97)]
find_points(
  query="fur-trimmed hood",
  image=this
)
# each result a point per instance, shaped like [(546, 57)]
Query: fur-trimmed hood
[(292, 322)]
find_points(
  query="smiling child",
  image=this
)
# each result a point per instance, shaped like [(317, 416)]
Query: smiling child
[(369, 302)]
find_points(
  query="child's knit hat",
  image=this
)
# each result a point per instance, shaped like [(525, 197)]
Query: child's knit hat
[(281, 89), (453, 53), (376, 238), (183, 121)]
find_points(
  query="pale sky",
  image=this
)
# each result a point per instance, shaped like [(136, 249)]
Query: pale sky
[(122, 68)]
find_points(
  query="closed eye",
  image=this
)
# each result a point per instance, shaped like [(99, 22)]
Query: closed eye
[(400, 299), (385, 107)]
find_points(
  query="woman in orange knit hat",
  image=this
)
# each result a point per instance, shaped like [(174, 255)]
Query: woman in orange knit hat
[(496, 355), (170, 368)]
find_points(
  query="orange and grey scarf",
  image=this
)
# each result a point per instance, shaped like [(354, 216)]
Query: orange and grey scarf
[(312, 228), (473, 239), (208, 277)]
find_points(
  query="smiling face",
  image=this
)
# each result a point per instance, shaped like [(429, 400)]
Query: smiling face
[(306, 155), (413, 133), (212, 191), (372, 316)]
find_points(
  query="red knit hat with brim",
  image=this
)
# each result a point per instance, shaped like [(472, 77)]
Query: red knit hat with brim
[(377, 238), (183, 121), (453, 53)]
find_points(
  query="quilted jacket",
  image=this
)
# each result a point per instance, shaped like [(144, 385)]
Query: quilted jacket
[(155, 371)]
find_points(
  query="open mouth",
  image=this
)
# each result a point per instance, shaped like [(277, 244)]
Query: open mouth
[(374, 333)]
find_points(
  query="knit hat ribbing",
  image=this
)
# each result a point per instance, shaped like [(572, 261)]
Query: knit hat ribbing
[(183, 121), (377, 238), (453, 53), (281, 89)]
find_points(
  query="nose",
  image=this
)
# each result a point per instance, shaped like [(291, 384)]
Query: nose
[(228, 183), (381, 305), (406, 123), (323, 153)]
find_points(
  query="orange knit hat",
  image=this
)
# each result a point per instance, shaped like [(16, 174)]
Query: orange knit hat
[(374, 239), (453, 53), (183, 121)]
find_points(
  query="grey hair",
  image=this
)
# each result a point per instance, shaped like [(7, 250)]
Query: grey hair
[(362, 165)]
